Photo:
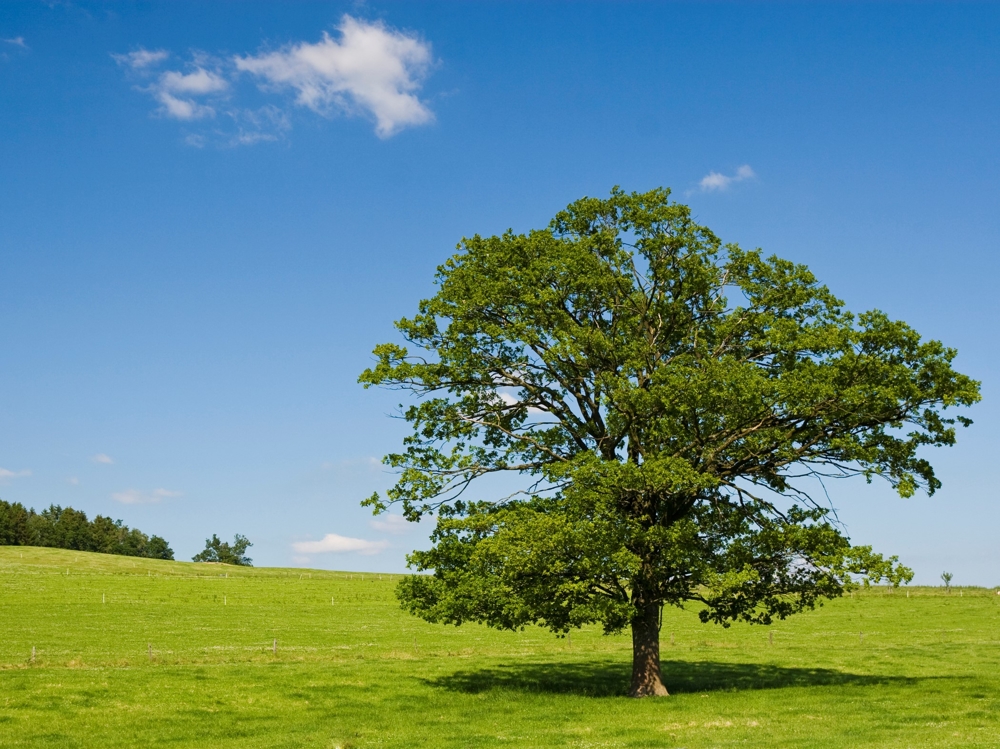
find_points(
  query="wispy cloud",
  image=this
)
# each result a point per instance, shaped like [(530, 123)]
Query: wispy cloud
[(366, 69), (142, 58), (73, 480), (182, 109), (101, 458), (716, 181), (258, 125), (352, 466), (136, 497), (6, 474), (331, 543), (22, 47), (371, 69), (397, 525)]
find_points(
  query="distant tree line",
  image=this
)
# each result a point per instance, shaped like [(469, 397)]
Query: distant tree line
[(66, 528)]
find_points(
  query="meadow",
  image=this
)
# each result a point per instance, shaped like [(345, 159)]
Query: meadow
[(105, 651)]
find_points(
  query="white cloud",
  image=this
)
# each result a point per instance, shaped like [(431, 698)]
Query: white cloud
[(201, 81), (136, 497), (511, 400), (394, 524), (17, 41), (175, 91), (73, 480), (716, 181), (142, 58), (372, 69), (333, 544), (182, 109), (6, 474), (366, 68), (102, 458)]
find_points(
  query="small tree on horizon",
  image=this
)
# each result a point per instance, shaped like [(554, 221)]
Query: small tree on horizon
[(670, 404), (224, 553), (946, 577)]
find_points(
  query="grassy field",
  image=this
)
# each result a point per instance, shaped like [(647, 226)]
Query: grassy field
[(134, 652)]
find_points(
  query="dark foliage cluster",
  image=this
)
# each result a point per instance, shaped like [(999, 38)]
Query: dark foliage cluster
[(66, 528)]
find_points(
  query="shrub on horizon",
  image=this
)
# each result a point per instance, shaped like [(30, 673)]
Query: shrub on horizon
[(222, 553)]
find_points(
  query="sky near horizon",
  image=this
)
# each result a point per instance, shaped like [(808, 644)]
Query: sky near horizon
[(211, 212)]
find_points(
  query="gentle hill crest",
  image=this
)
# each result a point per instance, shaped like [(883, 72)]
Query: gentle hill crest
[(46, 558)]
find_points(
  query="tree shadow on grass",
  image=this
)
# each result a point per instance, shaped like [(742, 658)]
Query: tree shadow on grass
[(605, 678)]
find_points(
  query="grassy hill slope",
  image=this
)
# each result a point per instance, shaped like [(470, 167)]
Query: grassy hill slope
[(137, 652)]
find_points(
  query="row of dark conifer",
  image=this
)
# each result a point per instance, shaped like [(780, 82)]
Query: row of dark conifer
[(66, 528)]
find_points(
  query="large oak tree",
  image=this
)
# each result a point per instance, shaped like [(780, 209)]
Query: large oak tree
[(672, 405)]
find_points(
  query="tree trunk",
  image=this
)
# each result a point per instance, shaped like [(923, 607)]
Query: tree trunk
[(646, 680)]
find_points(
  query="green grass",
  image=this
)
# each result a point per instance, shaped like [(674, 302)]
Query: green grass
[(352, 670)]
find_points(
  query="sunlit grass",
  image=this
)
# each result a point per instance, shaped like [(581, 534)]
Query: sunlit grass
[(135, 652)]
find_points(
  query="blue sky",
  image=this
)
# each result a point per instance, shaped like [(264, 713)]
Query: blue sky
[(211, 212)]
